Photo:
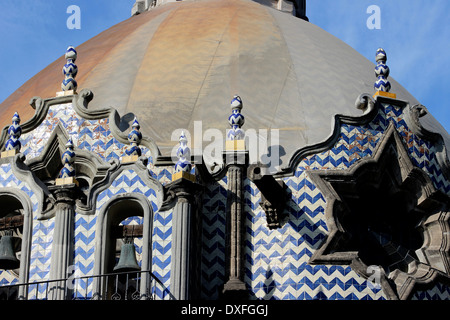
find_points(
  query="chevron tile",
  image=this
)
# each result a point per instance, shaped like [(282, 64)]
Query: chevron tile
[(438, 292), (276, 260), (213, 239)]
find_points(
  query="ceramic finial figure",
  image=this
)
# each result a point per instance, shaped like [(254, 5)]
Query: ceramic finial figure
[(183, 153), (70, 70), (14, 132), (68, 159), (382, 72), (134, 137), (236, 120)]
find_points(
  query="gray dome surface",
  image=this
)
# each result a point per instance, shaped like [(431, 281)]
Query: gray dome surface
[(184, 61)]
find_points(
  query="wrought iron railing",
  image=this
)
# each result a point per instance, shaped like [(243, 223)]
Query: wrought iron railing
[(142, 285)]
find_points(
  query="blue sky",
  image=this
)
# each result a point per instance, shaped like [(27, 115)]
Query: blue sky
[(414, 33)]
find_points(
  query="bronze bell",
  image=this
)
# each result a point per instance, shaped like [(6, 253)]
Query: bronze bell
[(127, 261), (8, 259)]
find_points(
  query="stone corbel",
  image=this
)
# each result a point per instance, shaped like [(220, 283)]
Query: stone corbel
[(273, 195)]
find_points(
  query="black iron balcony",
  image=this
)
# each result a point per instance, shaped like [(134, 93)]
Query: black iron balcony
[(135, 285)]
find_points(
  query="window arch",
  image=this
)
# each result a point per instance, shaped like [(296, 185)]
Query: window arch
[(16, 220), (116, 210)]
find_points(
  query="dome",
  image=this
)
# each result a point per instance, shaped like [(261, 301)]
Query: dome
[(184, 61)]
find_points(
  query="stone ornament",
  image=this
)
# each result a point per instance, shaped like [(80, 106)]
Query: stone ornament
[(134, 137), (382, 72), (183, 154), (236, 120), (70, 70), (14, 132), (68, 159)]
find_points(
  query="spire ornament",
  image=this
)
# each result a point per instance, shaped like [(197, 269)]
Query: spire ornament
[(13, 144), (70, 70), (382, 86), (236, 136), (183, 166), (67, 173), (68, 159), (134, 137), (133, 152)]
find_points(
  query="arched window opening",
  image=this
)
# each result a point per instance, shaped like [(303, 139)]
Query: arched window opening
[(124, 250), (128, 259), (124, 217), (11, 230)]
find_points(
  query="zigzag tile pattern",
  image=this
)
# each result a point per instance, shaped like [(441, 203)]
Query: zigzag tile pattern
[(438, 292), (95, 136), (84, 248), (41, 233), (129, 182), (276, 260), (162, 250), (91, 135), (213, 239), (422, 153)]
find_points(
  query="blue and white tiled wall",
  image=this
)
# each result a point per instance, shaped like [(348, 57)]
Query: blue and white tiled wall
[(41, 243), (276, 261), (95, 136)]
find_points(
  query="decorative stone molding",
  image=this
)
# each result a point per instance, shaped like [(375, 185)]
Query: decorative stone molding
[(370, 106), (384, 211), (80, 104), (364, 102), (94, 174), (115, 169), (47, 166), (45, 198), (414, 115)]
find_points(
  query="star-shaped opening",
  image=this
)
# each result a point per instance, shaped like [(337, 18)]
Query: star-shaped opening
[(385, 212)]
